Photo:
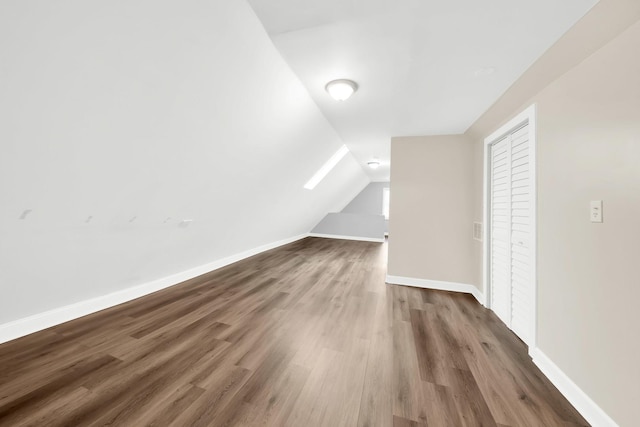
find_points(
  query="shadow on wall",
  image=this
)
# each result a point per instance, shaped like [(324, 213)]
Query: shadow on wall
[(351, 226), (361, 219)]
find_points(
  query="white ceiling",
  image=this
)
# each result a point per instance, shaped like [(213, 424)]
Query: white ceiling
[(424, 67)]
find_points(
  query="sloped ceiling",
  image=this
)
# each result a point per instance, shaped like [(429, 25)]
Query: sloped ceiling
[(122, 119), (424, 67)]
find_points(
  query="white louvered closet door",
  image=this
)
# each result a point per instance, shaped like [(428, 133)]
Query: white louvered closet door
[(501, 230), (511, 233)]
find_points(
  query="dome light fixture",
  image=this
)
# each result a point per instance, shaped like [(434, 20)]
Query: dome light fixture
[(374, 164), (341, 89)]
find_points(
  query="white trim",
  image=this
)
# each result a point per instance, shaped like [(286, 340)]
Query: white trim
[(436, 284), (28, 325), (527, 116), (574, 394), (578, 398), (335, 236)]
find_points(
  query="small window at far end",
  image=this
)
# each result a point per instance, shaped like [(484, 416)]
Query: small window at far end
[(385, 202)]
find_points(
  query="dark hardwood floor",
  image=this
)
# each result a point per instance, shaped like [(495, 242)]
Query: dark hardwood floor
[(305, 335)]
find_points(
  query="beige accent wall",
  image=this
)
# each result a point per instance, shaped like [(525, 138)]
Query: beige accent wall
[(587, 91), (588, 281), (430, 220)]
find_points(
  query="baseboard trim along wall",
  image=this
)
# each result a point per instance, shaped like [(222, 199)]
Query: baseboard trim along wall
[(574, 394), (360, 239), (438, 285), (28, 325)]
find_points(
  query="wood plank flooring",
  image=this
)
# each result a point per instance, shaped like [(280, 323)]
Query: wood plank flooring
[(304, 335)]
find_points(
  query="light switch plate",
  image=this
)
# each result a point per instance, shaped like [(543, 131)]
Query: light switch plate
[(477, 231), (596, 211)]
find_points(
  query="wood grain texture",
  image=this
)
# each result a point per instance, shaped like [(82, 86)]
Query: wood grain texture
[(307, 335)]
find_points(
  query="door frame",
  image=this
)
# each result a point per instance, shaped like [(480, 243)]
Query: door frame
[(527, 116)]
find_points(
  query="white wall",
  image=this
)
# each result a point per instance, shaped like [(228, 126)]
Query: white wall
[(369, 201), (351, 225), (153, 110)]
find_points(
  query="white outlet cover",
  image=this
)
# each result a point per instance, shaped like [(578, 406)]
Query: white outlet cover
[(596, 211)]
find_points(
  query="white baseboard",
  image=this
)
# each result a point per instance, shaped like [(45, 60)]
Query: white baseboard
[(28, 325), (574, 394), (360, 239), (436, 284), (578, 398)]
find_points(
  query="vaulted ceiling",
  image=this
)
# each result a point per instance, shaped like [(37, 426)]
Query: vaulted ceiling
[(424, 67)]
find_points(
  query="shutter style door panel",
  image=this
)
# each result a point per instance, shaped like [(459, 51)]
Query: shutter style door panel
[(500, 230), (512, 290), (522, 316)]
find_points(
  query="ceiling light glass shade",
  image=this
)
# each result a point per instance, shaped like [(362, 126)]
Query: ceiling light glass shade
[(374, 164), (342, 89)]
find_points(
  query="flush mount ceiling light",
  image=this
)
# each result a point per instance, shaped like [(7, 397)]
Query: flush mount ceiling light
[(341, 89), (374, 164)]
